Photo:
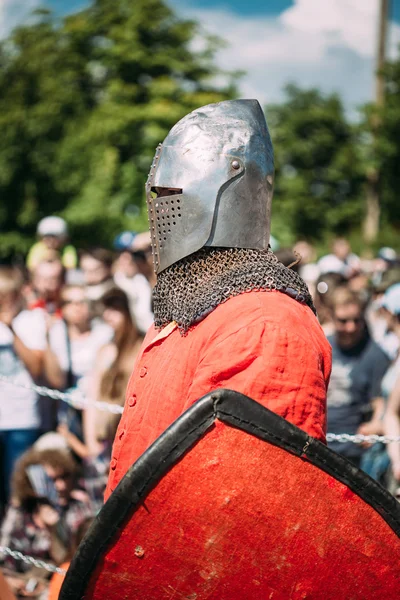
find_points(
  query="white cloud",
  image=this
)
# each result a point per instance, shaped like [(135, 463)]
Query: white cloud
[(330, 45), (327, 44), (14, 12)]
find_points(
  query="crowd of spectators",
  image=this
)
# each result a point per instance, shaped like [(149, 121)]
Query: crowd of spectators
[(74, 321)]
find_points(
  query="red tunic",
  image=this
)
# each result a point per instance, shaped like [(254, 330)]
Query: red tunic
[(263, 344)]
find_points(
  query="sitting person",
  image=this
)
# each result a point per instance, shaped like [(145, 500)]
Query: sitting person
[(45, 511)]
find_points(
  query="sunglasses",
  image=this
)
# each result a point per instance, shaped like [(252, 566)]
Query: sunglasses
[(80, 302), (356, 321)]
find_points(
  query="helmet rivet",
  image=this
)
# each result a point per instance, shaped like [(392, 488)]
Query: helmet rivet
[(235, 164)]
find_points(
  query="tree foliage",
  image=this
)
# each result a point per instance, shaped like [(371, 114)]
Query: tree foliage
[(85, 100), (387, 147), (83, 103), (319, 178)]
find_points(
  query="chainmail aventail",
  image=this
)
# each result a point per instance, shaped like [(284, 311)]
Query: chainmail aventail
[(191, 288)]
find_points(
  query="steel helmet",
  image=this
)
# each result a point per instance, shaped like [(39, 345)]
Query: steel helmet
[(211, 183)]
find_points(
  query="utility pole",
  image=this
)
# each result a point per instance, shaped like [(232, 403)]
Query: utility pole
[(371, 222)]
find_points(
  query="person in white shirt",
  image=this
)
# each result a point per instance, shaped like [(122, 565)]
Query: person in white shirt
[(22, 345), (133, 283), (342, 260), (73, 344)]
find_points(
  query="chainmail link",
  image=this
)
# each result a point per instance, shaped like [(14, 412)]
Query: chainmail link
[(191, 288)]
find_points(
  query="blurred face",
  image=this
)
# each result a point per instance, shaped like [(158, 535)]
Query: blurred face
[(358, 283), (63, 483), (47, 279), (349, 325), (341, 248), (94, 271), (53, 242), (306, 252), (126, 264), (75, 306), (114, 318), (9, 300)]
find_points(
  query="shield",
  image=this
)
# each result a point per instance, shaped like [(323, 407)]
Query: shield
[(232, 502)]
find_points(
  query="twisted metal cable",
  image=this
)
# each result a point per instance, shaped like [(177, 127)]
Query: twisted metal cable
[(30, 560), (77, 400), (73, 399), (359, 438)]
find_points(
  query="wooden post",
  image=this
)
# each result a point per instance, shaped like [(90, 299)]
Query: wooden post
[(373, 211)]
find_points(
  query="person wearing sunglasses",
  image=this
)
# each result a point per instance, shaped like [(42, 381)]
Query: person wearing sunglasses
[(358, 366)]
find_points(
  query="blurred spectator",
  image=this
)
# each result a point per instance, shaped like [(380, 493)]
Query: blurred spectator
[(46, 510), (47, 279), (113, 368), (358, 365), (325, 287), (341, 261), (143, 256), (96, 265), (288, 258), (386, 260), (58, 579), (22, 345), (359, 283), (133, 283), (377, 314), (75, 340), (308, 268), (376, 461), (53, 234), (391, 303), (73, 344)]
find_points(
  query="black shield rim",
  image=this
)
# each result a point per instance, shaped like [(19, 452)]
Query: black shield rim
[(238, 411)]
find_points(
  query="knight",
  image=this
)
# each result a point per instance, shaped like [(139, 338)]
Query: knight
[(227, 313), (221, 485)]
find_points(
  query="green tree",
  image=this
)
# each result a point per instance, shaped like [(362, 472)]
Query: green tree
[(318, 185), (386, 151), (83, 103)]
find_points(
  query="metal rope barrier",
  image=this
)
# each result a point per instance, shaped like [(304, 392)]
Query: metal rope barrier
[(30, 560), (359, 438), (78, 401), (73, 399)]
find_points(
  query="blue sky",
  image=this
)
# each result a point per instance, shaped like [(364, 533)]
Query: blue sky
[(251, 7), (328, 44)]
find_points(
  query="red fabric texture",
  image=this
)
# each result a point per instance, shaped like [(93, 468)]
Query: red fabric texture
[(262, 344), (238, 519)]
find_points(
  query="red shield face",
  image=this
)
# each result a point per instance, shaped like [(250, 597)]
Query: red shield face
[(231, 503)]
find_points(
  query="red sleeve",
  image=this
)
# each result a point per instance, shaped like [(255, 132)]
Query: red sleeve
[(275, 367)]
